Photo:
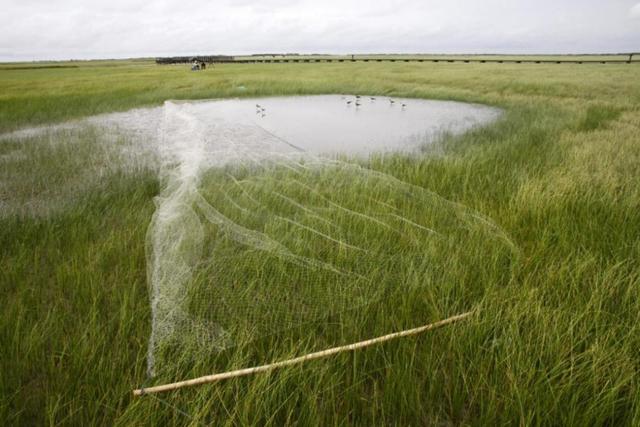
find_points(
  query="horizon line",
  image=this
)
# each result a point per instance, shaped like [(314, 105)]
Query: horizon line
[(3, 61)]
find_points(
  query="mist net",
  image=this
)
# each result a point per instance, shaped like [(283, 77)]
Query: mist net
[(253, 236)]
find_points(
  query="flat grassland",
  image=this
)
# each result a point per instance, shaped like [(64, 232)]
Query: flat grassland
[(555, 339)]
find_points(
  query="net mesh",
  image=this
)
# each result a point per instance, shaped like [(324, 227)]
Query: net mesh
[(252, 236)]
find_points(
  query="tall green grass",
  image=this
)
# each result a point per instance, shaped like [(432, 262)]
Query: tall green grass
[(555, 340)]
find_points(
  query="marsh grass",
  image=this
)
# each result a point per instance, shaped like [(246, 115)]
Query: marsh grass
[(555, 340)]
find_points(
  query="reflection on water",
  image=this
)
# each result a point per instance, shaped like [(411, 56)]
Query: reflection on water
[(320, 124), (335, 124)]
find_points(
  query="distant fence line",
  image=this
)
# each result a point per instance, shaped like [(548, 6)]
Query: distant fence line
[(188, 59), (221, 59)]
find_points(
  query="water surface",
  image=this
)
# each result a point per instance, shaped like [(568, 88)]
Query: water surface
[(335, 124), (316, 125)]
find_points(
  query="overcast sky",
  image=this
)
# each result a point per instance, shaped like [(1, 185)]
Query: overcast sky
[(64, 29)]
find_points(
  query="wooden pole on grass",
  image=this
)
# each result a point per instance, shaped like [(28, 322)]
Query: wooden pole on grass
[(317, 355)]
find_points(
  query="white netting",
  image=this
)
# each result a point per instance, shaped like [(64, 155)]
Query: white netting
[(252, 236)]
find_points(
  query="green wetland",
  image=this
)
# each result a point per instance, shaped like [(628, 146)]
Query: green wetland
[(531, 221)]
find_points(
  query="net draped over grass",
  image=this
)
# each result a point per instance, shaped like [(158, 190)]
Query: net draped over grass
[(252, 237)]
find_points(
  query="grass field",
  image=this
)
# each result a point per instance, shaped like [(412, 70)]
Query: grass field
[(556, 337)]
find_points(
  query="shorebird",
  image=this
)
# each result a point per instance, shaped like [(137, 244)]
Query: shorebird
[(372, 98), (357, 96), (258, 106), (404, 105), (358, 104), (349, 102), (391, 101)]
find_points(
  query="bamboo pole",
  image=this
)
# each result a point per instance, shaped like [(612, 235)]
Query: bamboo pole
[(317, 355)]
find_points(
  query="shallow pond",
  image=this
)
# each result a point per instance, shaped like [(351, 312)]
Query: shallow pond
[(336, 124), (316, 125)]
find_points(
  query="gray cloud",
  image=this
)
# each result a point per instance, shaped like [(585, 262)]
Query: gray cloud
[(62, 29)]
